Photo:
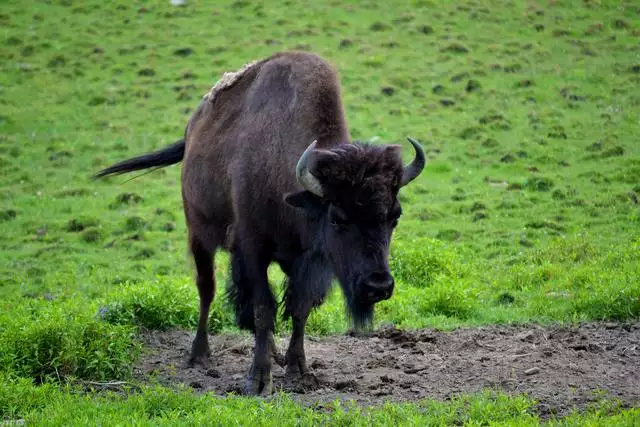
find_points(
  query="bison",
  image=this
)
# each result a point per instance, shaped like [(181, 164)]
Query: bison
[(270, 174)]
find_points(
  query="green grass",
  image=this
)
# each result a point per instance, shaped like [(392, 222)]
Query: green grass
[(528, 210), (49, 405), (44, 341)]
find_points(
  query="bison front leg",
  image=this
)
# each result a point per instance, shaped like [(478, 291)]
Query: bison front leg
[(260, 381), (298, 375), (309, 283), (255, 310)]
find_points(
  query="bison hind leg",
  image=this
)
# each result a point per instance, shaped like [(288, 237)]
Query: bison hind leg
[(205, 281), (203, 245)]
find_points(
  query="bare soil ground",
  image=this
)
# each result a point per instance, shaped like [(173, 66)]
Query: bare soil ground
[(561, 367)]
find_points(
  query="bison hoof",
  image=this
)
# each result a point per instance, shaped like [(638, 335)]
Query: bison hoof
[(309, 381), (198, 360), (301, 383), (259, 382), (298, 378), (200, 353)]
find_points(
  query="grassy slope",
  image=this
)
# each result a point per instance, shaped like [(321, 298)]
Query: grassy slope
[(528, 210)]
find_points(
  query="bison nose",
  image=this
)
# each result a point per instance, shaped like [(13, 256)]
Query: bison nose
[(378, 287)]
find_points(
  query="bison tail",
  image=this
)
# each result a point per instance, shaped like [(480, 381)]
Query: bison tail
[(170, 155)]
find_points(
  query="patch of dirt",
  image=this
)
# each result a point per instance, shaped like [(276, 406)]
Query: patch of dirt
[(561, 367)]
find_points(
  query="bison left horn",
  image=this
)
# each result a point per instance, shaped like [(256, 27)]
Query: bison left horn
[(414, 169), (304, 176)]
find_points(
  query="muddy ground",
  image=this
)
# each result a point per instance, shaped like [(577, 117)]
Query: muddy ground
[(561, 367)]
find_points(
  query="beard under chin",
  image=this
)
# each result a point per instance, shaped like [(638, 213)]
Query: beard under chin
[(361, 316), (359, 313)]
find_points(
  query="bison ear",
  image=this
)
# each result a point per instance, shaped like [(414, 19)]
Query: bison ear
[(304, 200)]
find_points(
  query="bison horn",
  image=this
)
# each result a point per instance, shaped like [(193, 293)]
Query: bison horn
[(412, 171), (304, 176)]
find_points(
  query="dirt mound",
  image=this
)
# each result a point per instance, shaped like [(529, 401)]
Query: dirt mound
[(561, 367)]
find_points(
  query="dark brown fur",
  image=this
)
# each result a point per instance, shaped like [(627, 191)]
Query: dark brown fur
[(240, 192)]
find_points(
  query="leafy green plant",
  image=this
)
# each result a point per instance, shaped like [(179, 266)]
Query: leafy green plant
[(162, 304), (420, 262), (43, 341)]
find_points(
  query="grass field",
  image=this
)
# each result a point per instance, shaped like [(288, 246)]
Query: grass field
[(528, 211)]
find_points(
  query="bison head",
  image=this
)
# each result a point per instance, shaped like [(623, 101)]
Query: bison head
[(353, 190)]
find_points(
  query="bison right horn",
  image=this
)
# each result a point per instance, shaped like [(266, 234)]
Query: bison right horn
[(412, 171), (304, 176)]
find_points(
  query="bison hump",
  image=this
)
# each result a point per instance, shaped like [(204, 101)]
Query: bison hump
[(228, 80)]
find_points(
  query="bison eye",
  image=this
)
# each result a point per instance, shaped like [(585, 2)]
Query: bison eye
[(337, 218)]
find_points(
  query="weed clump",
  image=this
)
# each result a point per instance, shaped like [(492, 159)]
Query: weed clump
[(455, 47), (53, 341), (607, 297), (448, 299), (505, 298), (540, 184), (8, 214), (80, 224), (473, 86), (449, 235), (92, 235), (136, 223), (379, 26), (425, 29), (126, 199), (420, 262), (161, 305)]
